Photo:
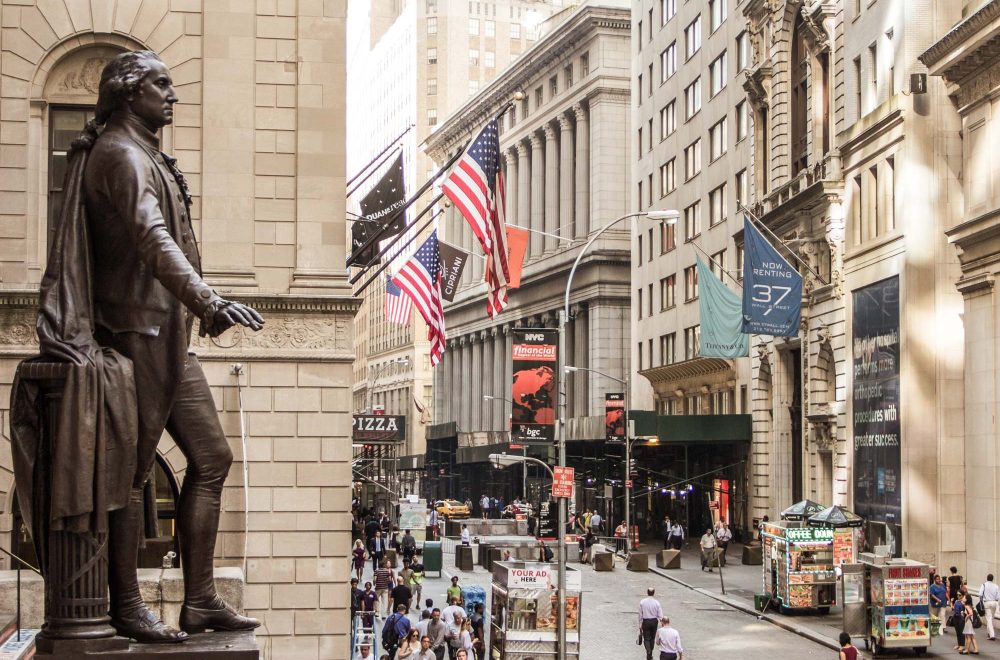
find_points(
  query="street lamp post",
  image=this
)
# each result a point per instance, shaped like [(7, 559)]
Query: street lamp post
[(666, 216), (628, 449)]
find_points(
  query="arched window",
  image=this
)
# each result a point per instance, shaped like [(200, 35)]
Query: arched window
[(799, 72)]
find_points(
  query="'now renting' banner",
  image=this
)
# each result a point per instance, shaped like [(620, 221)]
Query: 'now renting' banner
[(772, 289)]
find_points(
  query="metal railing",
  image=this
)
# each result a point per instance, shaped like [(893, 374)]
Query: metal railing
[(20, 562)]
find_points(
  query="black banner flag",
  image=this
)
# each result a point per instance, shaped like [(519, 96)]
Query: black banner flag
[(452, 264), (379, 205)]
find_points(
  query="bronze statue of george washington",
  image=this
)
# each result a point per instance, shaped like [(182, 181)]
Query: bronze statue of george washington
[(133, 290)]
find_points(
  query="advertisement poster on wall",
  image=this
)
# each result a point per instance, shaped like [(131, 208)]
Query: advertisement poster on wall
[(533, 387), (875, 366), (614, 417)]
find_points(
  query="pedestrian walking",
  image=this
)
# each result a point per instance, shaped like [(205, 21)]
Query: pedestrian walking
[(432, 522), (847, 650), (478, 623), (465, 535), (465, 638), (376, 549), (989, 597), (723, 536), (650, 613), (400, 594), (484, 507), (384, 579), (939, 601), (360, 556), (409, 647), (586, 544), (958, 622), (668, 641), (969, 629), (437, 631), (454, 591), (409, 545), (425, 653), (356, 595), (369, 602), (544, 553), (676, 536), (955, 582), (596, 523), (708, 550), (394, 630)]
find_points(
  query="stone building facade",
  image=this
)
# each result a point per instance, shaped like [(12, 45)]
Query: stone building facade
[(565, 151), (967, 58), (259, 132)]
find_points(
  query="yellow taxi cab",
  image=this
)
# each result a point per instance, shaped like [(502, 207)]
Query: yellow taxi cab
[(452, 509)]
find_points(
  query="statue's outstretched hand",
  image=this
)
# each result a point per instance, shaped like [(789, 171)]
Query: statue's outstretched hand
[(226, 313)]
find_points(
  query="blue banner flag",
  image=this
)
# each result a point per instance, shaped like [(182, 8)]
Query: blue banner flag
[(721, 319), (772, 289)]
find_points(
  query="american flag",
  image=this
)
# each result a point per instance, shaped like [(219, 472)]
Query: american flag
[(476, 187), (420, 279), (397, 306)]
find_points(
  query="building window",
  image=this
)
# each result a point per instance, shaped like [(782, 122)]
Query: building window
[(432, 6), (717, 139), (692, 160), (649, 188), (799, 98), (742, 51), (889, 212), (873, 75), (432, 55), (649, 301), (515, 30), (692, 99), (857, 86), (553, 86), (668, 119), (568, 75), (638, 293), (742, 120), (718, 11), (639, 36), (490, 28), (638, 100), (524, 107), (692, 348), (667, 10), (667, 351), (585, 65), (649, 131), (473, 86), (432, 86), (692, 221), (718, 264), (742, 188), (739, 263), (489, 59), (639, 356), (639, 204), (650, 79), (717, 205), (717, 69), (668, 292), (432, 25), (639, 149), (650, 259), (538, 97), (473, 57), (64, 127), (668, 237), (432, 116), (692, 38), (474, 27), (668, 180), (668, 62)]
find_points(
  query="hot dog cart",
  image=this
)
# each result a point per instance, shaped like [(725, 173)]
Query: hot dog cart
[(799, 566), (525, 611), (898, 603)]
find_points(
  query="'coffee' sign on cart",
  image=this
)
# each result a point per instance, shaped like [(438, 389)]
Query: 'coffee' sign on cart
[(562, 483)]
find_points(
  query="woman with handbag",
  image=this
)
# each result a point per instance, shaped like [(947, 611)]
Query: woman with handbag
[(971, 621), (957, 622)]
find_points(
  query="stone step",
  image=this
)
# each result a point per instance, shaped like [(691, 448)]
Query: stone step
[(240, 645)]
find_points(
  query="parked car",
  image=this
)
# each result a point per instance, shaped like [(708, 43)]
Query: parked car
[(512, 510), (452, 509)]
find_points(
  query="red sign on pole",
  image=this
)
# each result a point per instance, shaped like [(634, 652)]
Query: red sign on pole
[(628, 483), (562, 483), (515, 446)]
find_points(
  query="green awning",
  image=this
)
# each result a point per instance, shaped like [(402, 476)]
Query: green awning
[(693, 428)]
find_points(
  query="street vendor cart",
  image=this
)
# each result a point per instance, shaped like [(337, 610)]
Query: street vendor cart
[(898, 604), (525, 611), (799, 566)]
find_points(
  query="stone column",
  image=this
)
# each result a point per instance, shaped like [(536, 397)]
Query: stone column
[(551, 187), (512, 184), (537, 195), (454, 404), (476, 384), (464, 371), (486, 380), (582, 172), (498, 384), (581, 358), (566, 176), (508, 376), (524, 190)]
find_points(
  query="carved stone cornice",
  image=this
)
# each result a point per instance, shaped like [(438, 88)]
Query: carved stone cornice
[(960, 34), (813, 29), (758, 85)]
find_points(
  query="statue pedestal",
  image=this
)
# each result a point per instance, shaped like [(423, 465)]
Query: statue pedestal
[(210, 646)]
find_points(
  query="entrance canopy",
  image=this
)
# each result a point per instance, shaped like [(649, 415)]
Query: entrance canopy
[(692, 428)]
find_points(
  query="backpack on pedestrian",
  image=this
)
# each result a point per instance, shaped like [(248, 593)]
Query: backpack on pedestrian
[(390, 637)]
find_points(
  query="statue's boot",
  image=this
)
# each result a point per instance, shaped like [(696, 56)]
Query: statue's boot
[(129, 615), (197, 528)]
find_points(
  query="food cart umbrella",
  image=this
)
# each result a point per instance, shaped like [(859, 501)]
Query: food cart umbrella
[(801, 510), (836, 516)]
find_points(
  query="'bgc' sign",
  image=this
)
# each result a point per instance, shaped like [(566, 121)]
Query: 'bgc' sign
[(378, 429)]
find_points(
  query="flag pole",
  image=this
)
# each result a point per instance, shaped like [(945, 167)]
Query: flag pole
[(738, 283), (373, 171), (395, 239), (412, 238), (785, 245), (377, 156)]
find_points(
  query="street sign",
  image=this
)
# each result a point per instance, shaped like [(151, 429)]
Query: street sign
[(628, 483), (562, 482), (515, 446), (378, 429)]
